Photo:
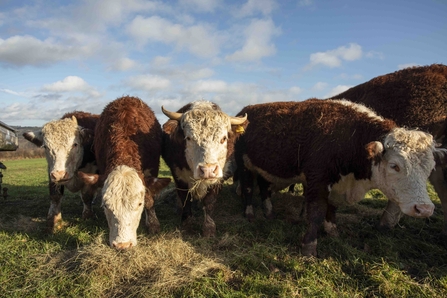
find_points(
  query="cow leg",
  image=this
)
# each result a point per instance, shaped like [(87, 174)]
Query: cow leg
[(246, 181), (266, 194), (87, 196), (209, 227), (330, 226), (438, 179), (152, 223), (317, 205), (185, 199), (390, 216), (54, 218)]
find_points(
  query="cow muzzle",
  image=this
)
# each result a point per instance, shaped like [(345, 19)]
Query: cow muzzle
[(122, 245), (209, 171), (418, 210), (59, 176)]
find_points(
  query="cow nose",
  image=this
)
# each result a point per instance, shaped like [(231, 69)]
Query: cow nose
[(58, 175), (122, 245), (423, 210), (208, 171)]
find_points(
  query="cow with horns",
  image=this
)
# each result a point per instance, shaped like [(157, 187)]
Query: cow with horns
[(128, 147), (68, 149), (198, 147), (340, 150)]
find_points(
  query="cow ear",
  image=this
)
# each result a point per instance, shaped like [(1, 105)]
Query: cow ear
[(34, 137), (91, 179), (155, 185), (172, 129), (86, 135), (440, 155), (374, 151)]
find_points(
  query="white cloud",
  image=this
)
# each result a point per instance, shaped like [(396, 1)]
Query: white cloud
[(333, 58), (71, 84), (200, 40), (337, 90), (148, 82), (252, 7), (319, 86), (295, 90), (374, 54), (258, 42), (402, 66), (200, 5), (160, 61), (28, 50), (124, 64), (209, 86), (10, 92)]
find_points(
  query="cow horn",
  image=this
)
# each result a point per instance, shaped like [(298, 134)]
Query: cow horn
[(171, 115), (73, 118), (238, 120)]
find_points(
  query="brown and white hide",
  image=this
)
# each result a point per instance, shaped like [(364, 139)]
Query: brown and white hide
[(128, 147), (68, 149), (198, 145), (340, 150), (413, 97)]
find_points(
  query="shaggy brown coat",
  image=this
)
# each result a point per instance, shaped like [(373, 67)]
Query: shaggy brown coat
[(413, 97), (320, 139)]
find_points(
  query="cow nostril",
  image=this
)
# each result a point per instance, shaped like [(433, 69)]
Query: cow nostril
[(416, 209), (216, 169)]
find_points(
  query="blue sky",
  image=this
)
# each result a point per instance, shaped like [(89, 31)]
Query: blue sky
[(59, 56)]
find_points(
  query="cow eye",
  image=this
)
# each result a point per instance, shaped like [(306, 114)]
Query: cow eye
[(188, 138), (75, 145), (223, 140), (395, 167)]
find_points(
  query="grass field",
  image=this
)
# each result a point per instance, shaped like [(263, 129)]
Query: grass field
[(260, 259)]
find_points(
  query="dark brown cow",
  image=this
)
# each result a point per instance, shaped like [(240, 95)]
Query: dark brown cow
[(68, 149), (340, 150), (128, 148), (198, 144), (413, 97)]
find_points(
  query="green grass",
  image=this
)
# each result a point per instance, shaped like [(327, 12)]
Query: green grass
[(259, 259)]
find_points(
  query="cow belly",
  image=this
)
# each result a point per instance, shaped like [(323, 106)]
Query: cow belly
[(278, 183), (348, 190)]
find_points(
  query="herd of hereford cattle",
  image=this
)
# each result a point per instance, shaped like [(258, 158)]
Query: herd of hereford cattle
[(388, 134)]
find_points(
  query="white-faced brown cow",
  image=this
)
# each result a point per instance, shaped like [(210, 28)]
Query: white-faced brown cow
[(340, 150), (128, 148), (198, 148), (68, 149), (413, 97)]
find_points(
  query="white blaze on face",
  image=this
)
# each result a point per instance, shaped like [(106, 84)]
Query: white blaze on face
[(123, 202), (63, 148), (206, 132), (402, 174)]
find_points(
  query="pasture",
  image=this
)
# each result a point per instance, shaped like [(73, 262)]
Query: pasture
[(260, 259)]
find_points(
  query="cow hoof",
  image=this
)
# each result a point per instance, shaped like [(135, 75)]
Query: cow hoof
[(88, 215), (270, 216), (309, 249), (209, 232), (250, 217), (331, 229)]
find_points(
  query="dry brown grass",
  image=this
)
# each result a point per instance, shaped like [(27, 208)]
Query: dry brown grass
[(157, 266)]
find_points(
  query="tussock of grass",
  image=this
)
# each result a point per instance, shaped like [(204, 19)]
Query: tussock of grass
[(156, 266)]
